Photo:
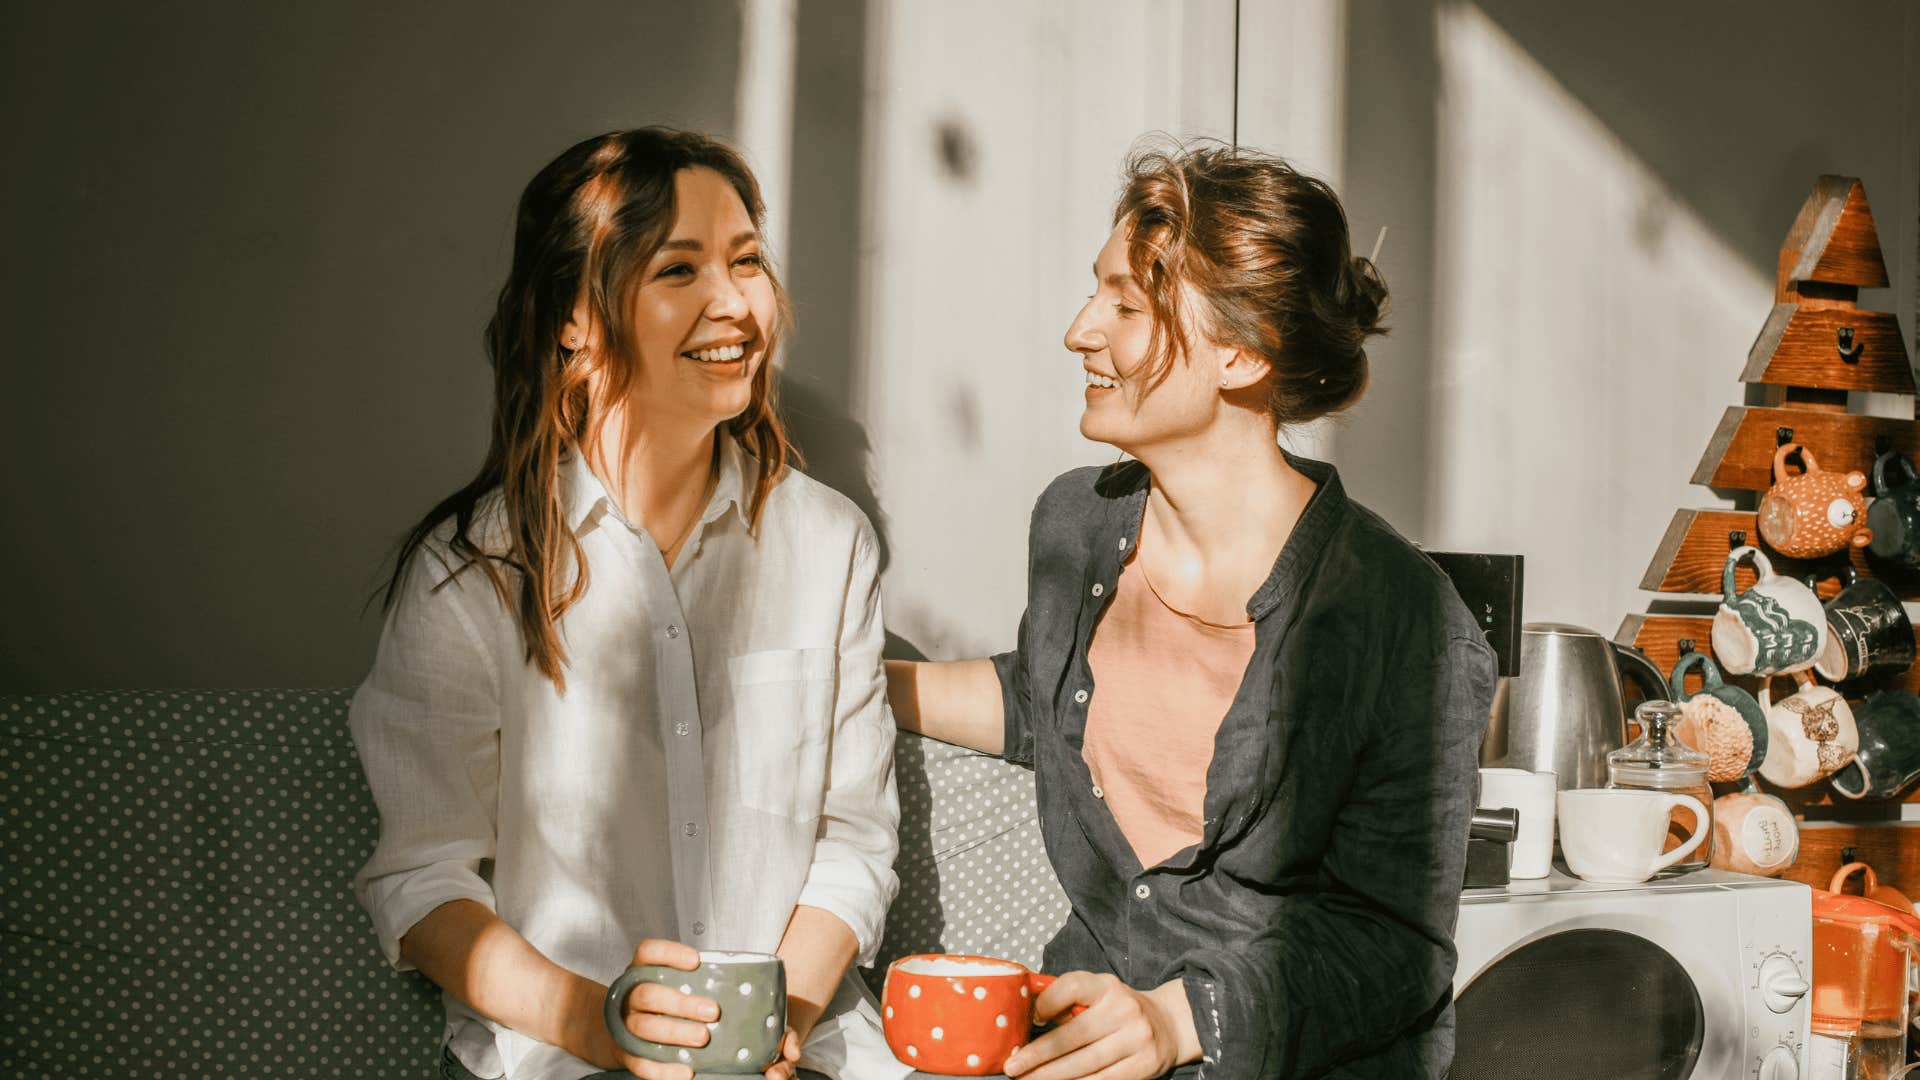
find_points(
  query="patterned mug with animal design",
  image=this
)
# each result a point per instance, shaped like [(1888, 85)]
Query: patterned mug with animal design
[(1811, 734), (1816, 513), (1776, 627)]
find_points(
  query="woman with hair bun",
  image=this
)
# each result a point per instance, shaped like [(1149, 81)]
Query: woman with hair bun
[(1252, 709), (628, 703)]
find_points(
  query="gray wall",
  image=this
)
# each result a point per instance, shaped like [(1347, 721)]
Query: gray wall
[(250, 254)]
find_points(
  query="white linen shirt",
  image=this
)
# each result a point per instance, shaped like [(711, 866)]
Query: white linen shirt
[(723, 752)]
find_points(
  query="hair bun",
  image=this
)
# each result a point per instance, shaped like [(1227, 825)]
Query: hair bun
[(1363, 294)]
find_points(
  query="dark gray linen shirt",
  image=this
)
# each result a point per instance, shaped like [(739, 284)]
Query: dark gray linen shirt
[(1312, 924)]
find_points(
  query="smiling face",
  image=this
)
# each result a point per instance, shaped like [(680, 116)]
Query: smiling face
[(1113, 334), (704, 311)]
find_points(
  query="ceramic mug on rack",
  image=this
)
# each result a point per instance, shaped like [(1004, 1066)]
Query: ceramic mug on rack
[(1867, 628), (1816, 513), (1810, 734), (1754, 833), (1888, 758), (1774, 628), (1895, 513), (1720, 719)]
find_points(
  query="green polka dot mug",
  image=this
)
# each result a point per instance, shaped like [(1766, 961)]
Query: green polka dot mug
[(749, 987)]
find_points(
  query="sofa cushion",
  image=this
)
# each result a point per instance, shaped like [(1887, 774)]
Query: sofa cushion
[(177, 897)]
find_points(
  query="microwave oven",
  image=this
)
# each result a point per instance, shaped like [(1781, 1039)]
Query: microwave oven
[(1703, 975)]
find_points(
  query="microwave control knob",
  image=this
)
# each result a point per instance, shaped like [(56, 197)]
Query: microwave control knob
[(1780, 1065), (1781, 984)]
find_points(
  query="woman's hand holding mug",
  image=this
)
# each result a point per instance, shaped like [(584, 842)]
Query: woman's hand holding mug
[(666, 1024), (1115, 1031)]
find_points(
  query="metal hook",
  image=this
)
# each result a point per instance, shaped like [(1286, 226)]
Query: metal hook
[(1736, 538), (1686, 646), (1849, 348), (1782, 436)]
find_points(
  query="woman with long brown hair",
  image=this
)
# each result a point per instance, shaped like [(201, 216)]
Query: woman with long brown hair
[(1253, 711), (629, 686)]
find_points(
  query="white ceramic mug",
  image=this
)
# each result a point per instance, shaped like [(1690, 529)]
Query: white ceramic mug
[(1811, 734), (1531, 793), (1614, 835)]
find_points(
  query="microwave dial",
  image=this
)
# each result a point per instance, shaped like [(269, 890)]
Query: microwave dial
[(1781, 984), (1779, 1064)]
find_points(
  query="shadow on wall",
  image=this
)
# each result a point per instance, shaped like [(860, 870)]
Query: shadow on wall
[(1390, 171), (1732, 139), (818, 384)]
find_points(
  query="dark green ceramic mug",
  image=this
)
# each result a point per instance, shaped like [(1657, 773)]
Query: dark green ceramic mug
[(751, 990)]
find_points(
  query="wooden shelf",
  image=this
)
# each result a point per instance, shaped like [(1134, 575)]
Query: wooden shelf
[(1740, 454), (1834, 238), (1892, 848), (1800, 346), (1697, 542)]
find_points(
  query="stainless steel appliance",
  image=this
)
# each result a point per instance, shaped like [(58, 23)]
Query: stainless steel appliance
[(1565, 710)]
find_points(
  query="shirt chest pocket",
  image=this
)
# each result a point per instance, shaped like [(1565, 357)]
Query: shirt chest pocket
[(782, 727)]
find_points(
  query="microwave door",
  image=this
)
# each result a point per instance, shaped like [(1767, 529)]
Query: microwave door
[(1635, 986)]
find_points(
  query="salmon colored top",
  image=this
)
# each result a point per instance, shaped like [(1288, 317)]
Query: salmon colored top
[(1163, 680)]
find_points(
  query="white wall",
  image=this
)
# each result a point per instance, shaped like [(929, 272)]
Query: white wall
[(977, 257)]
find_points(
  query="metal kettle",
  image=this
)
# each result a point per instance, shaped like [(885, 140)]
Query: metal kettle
[(1565, 711)]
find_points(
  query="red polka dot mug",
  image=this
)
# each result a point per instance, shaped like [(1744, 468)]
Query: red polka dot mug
[(959, 1015)]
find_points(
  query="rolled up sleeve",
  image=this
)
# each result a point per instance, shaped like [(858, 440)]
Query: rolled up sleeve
[(1344, 971), (426, 724), (852, 875)]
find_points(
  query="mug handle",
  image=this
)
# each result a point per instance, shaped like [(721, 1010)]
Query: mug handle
[(1840, 876), (616, 1015), (1762, 569), (1780, 460), (1880, 475), (1037, 984), (1700, 827), (1677, 682)]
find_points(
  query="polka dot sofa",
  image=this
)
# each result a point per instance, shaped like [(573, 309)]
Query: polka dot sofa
[(176, 898)]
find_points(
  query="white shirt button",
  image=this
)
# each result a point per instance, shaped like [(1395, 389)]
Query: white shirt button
[(690, 829), (1142, 891), (672, 630), (1123, 543), (699, 928), (681, 727), (1098, 588), (1097, 793), (1080, 696)]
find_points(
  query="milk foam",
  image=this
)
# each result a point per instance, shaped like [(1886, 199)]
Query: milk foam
[(958, 968)]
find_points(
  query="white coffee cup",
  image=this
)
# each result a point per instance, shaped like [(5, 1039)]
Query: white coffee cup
[(1531, 793), (1614, 835)]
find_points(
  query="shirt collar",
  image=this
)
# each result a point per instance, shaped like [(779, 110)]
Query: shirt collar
[(1129, 482), (586, 500)]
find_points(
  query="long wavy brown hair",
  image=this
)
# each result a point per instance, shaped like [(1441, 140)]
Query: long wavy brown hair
[(587, 225)]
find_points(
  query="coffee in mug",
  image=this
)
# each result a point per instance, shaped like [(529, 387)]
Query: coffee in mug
[(749, 987)]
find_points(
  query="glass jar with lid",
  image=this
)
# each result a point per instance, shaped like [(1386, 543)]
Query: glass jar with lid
[(1657, 761)]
